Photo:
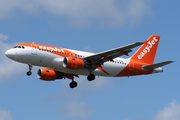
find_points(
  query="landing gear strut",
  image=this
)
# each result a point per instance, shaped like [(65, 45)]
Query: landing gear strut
[(30, 68), (91, 77)]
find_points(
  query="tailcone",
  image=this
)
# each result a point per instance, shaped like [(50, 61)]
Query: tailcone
[(157, 70)]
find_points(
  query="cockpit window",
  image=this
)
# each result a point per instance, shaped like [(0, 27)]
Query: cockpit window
[(19, 47)]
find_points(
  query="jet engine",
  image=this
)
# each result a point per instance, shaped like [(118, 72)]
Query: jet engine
[(73, 63), (46, 74)]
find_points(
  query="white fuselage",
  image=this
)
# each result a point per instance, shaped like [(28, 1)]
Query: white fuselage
[(47, 59)]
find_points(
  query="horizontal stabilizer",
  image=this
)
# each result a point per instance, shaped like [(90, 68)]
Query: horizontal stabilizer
[(149, 67)]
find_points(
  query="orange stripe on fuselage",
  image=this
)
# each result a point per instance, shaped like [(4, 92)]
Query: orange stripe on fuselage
[(133, 68), (54, 50)]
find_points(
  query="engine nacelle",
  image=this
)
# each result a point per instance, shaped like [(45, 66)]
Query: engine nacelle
[(73, 63), (46, 74)]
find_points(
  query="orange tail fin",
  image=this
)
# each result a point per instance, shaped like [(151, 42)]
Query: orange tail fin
[(147, 51)]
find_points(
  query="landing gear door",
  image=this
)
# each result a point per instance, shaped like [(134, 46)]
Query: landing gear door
[(33, 49)]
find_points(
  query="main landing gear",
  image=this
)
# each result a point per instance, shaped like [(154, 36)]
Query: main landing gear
[(30, 68), (91, 77), (73, 84)]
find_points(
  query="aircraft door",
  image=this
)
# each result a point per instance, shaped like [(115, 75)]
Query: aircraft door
[(131, 65), (34, 49)]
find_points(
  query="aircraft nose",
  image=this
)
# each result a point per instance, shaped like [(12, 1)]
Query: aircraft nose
[(9, 53)]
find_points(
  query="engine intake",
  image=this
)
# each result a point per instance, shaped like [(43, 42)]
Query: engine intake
[(73, 63)]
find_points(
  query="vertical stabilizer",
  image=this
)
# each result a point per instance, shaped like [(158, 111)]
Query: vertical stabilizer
[(147, 51)]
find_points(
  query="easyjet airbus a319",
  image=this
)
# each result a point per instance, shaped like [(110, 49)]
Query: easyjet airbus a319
[(67, 63)]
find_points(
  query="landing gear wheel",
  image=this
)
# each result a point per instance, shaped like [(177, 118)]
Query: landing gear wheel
[(30, 68), (73, 84), (91, 77), (29, 73)]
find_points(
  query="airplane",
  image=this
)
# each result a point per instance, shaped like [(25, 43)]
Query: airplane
[(65, 63)]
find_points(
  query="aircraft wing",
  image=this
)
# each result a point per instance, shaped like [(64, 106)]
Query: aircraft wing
[(102, 57)]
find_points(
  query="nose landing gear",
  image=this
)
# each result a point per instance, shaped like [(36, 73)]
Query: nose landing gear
[(30, 68), (29, 73)]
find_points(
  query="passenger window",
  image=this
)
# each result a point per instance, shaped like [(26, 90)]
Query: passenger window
[(23, 47), (19, 46)]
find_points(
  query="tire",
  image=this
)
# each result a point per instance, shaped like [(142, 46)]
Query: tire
[(73, 84), (29, 73), (91, 77)]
